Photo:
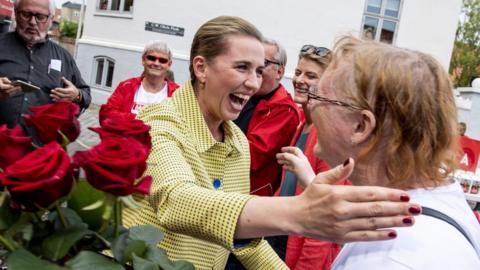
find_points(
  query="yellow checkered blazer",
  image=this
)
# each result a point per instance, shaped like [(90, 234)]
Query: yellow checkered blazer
[(200, 187)]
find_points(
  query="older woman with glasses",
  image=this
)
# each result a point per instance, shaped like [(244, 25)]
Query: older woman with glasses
[(151, 87), (304, 252), (393, 111)]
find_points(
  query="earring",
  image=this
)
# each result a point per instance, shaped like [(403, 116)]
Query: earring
[(202, 84)]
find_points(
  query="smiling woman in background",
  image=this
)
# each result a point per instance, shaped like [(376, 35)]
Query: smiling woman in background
[(151, 87), (200, 168)]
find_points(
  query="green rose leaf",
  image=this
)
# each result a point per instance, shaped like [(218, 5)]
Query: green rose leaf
[(21, 230), (148, 233), (57, 245), (22, 259), (71, 217), (142, 264), (119, 245), (183, 265), (135, 247), (8, 215), (87, 260), (83, 199), (159, 257)]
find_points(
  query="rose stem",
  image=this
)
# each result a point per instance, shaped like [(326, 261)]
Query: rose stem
[(60, 215), (7, 244)]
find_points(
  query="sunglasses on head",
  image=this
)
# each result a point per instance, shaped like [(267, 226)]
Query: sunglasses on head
[(320, 51), (154, 58)]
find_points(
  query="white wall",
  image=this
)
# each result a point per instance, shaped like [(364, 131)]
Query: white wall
[(292, 23), (429, 26), (425, 25), (470, 114)]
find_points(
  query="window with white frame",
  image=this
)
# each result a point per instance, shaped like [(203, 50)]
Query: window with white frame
[(103, 71), (124, 6), (380, 20)]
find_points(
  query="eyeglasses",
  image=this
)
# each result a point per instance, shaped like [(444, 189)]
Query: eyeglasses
[(154, 58), (271, 62), (311, 95), (27, 16), (320, 51)]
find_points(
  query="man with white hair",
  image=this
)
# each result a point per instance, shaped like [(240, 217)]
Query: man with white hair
[(269, 120), (28, 55)]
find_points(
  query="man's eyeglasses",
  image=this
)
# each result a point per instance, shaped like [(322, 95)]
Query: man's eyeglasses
[(154, 58), (27, 16), (332, 101), (320, 51), (271, 62)]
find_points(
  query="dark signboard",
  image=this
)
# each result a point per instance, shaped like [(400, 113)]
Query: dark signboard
[(164, 29)]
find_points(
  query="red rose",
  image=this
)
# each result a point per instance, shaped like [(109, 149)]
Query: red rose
[(40, 178), (51, 118), (114, 166), (124, 125), (14, 145)]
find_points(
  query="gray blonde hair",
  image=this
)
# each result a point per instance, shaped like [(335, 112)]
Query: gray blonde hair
[(322, 61), (157, 46), (51, 6), (281, 53)]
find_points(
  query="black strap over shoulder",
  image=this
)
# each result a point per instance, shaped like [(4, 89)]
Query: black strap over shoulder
[(427, 211)]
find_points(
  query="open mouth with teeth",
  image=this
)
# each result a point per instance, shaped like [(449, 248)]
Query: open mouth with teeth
[(238, 100), (301, 90)]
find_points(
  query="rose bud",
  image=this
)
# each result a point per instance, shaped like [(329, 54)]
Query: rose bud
[(124, 125), (14, 145), (49, 119)]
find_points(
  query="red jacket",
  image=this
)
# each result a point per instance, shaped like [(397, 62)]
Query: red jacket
[(121, 99), (272, 126)]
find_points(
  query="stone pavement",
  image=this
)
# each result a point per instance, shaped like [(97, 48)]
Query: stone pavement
[(87, 138)]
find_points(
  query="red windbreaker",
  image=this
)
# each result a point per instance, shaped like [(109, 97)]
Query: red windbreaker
[(121, 99), (272, 126)]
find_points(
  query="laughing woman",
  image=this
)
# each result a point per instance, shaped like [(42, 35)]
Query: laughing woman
[(200, 166)]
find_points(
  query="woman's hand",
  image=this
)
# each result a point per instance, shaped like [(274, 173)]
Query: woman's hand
[(330, 212), (293, 159), (349, 213)]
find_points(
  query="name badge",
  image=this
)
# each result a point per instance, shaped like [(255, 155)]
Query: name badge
[(56, 65)]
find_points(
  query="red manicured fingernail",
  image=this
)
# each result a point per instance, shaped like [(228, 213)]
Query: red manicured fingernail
[(404, 198), (414, 210), (392, 234), (345, 163), (407, 221)]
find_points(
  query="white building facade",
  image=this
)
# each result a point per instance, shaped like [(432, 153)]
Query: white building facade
[(115, 31), (468, 104)]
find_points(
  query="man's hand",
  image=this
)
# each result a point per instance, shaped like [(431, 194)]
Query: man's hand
[(7, 89), (69, 92)]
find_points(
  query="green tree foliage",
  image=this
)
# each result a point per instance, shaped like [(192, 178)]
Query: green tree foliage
[(466, 53), (68, 29)]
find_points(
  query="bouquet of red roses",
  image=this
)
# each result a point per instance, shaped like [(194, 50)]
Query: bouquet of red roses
[(51, 218)]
